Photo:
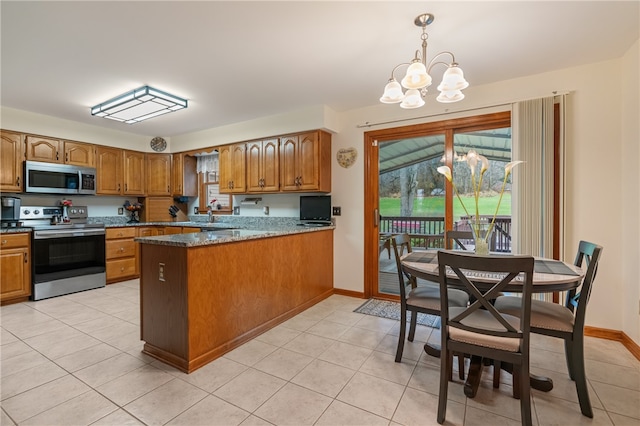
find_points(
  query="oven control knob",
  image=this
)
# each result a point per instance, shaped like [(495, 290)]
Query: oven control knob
[(36, 212), (26, 211)]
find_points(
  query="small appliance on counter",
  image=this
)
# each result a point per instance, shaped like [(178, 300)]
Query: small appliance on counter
[(11, 212)]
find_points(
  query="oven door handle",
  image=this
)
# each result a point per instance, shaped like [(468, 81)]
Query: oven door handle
[(41, 235)]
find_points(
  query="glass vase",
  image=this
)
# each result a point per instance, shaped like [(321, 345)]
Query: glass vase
[(481, 238)]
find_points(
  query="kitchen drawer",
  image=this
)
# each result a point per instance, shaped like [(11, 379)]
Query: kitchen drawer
[(121, 268), (14, 240), (113, 233), (120, 248)]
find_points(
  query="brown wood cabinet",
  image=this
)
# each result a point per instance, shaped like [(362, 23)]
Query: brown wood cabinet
[(232, 169), (159, 177), (263, 166), (188, 319), (44, 149), (15, 267), (80, 154), (109, 162), (185, 175), (11, 158), (305, 162), (134, 174), (121, 254), (58, 151)]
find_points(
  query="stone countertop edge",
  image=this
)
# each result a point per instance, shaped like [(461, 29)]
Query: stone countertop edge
[(17, 230), (187, 224), (198, 239)]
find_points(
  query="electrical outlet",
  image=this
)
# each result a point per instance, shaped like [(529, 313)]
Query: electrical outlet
[(161, 271), (120, 211), (236, 210), (265, 210), (195, 210), (337, 211)]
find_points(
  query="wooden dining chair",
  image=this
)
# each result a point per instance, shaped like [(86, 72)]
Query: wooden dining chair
[(566, 322), (424, 298), (480, 329)]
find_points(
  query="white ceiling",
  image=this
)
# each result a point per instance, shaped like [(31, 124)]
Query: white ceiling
[(236, 61)]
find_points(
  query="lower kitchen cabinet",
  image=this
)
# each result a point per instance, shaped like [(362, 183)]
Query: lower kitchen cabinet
[(122, 254), (15, 267)]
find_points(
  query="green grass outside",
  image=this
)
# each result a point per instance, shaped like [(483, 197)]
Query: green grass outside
[(434, 206)]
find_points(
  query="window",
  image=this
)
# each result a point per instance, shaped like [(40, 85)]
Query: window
[(210, 196)]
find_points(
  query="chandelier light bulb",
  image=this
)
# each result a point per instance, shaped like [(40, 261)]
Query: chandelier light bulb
[(412, 99), (392, 93), (450, 97), (417, 76), (453, 79)]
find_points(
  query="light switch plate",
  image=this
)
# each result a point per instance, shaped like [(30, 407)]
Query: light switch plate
[(337, 211), (120, 211)]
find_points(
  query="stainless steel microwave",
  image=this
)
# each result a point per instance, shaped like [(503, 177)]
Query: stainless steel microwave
[(51, 178)]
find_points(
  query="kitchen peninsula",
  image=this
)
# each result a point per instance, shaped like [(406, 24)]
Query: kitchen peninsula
[(203, 294)]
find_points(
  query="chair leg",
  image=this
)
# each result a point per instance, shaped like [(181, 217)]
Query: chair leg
[(580, 377), (516, 384), (461, 366), (412, 327), (525, 395), (445, 368), (496, 374), (403, 326), (568, 353)]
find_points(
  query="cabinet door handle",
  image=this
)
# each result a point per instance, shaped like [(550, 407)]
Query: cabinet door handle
[(126, 187), (66, 157), (18, 181), (57, 155), (26, 258), (168, 190), (118, 187)]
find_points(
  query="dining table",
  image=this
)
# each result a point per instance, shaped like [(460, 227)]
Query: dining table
[(549, 275)]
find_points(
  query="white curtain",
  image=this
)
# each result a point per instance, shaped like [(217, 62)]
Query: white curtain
[(207, 163), (533, 181)]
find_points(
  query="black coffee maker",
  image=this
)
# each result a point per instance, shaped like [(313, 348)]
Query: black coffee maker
[(10, 211)]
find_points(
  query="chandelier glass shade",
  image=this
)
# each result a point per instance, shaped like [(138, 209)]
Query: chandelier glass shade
[(417, 77)]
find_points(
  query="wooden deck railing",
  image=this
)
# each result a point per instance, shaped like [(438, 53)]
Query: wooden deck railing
[(428, 231)]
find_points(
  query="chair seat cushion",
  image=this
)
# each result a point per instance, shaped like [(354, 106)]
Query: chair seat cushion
[(428, 297), (546, 315), (484, 320)]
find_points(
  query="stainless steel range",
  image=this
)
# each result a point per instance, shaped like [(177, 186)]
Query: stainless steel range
[(68, 254)]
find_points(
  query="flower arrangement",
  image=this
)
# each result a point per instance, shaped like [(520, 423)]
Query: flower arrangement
[(214, 204), (66, 203), (134, 209), (474, 160)]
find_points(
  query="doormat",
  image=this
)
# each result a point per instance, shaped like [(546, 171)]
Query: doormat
[(391, 310)]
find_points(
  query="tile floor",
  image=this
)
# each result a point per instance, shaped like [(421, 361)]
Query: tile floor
[(76, 360)]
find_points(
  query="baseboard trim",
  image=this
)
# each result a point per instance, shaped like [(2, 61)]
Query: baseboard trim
[(358, 294), (618, 336)]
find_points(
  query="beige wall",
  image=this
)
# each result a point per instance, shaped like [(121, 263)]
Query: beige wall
[(601, 172)]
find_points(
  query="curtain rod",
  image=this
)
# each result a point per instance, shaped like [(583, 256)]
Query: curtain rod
[(368, 124)]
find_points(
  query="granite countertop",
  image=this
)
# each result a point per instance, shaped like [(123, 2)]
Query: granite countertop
[(15, 230), (206, 238), (219, 225)]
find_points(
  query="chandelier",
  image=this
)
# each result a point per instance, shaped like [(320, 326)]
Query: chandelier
[(418, 77)]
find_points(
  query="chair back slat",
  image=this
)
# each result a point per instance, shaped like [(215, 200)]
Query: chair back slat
[(464, 267), (400, 243), (577, 300)]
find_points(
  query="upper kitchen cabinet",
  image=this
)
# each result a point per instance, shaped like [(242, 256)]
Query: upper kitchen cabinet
[(263, 166), (11, 158), (305, 162), (185, 175), (134, 173), (109, 163), (232, 169), (80, 154), (159, 174), (57, 151), (44, 149)]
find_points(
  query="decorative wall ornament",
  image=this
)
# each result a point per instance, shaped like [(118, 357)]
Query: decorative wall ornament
[(347, 156)]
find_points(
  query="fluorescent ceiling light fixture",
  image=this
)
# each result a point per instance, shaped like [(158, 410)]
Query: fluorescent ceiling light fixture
[(138, 105)]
